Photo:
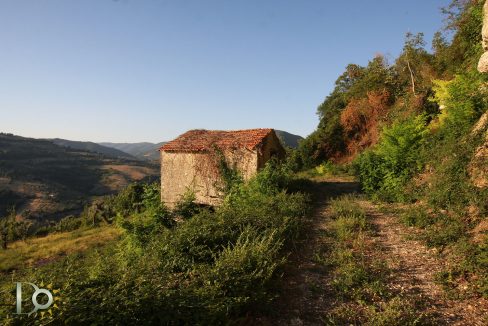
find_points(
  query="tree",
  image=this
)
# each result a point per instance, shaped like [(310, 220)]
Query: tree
[(7, 229), (413, 45)]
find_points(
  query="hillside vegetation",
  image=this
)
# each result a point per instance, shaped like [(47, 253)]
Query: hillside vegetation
[(288, 139), (414, 131)]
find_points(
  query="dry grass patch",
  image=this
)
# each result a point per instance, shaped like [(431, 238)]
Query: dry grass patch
[(37, 251)]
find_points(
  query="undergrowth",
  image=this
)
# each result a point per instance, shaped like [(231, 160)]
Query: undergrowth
[(359, 280), (212, 267)]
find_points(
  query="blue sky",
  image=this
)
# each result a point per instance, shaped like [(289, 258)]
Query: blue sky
[(135, 70)]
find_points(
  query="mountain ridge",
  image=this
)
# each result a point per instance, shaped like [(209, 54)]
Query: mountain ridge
[(92, 147), (141, 150), (149, 151)]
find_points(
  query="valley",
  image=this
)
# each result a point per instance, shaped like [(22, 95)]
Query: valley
[(44, 181)]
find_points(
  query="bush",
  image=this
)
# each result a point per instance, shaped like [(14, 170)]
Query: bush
[(208, 269), (451, 187), (243, 270), (11, 229), (447, 231), (186, 206), (68, 223), (463, 99), (329, 168), (130, 200), (450, 149), (417, 216), (385, 171)]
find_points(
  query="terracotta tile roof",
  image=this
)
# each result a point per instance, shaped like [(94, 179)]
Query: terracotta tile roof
[(202, 140)]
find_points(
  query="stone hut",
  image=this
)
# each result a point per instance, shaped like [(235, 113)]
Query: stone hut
[(192, 162)]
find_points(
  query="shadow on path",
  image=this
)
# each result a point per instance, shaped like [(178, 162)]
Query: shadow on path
[(304, 294)]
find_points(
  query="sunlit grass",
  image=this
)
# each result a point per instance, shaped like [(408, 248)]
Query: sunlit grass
[(36, 251)]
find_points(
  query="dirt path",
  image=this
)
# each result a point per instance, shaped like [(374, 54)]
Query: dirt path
[(307, 296), (413, 269)]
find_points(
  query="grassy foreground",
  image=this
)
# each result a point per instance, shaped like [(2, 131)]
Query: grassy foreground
[(39, 251)]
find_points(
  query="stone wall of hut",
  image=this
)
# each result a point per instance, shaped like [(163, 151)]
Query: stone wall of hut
[(199, 173)]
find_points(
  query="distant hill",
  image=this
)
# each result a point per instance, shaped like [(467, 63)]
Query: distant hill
[(143, 151), (288, 139), (46, 181), (92, 147)]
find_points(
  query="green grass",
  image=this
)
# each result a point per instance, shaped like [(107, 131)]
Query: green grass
[(347, 205), (417, 216), (37, 251), (395, 312), (468, 261), (444, 233), (355, 277), (328, 170), (348, 226)]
